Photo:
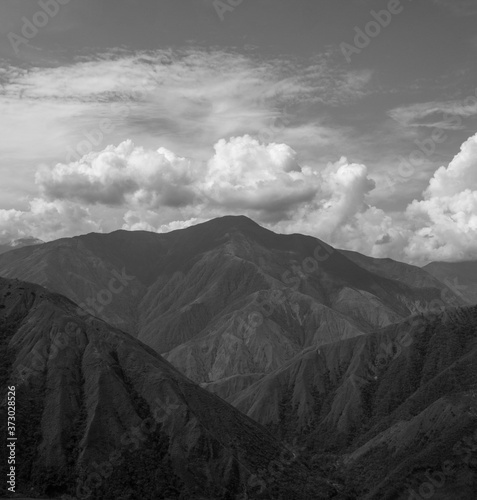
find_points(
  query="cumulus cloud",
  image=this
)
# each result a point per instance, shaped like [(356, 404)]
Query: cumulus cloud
[(245, 174), (440, 226), (383, 240), (122, 174), (460, 175), (46, 220), (184, 100), (157, 190), (447, 216)]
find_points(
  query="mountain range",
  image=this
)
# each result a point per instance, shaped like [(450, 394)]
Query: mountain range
[(259, 342), (195, 295), (387, 406)]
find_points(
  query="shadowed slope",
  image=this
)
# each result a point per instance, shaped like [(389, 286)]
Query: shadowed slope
[(392, 269), (399, 400), (88, 394)]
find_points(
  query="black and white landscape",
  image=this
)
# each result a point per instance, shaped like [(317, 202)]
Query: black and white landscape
[(238, 249)]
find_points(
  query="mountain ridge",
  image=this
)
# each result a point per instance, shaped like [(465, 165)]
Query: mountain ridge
[(194, 294), (388, 403), (83, 387)]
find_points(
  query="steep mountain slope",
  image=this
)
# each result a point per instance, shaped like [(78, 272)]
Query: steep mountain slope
[(100, 415), (461, 277), (231, 347), (224, 290), (392, 404)]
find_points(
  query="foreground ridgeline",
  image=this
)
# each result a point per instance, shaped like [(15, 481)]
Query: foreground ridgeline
[(100, 415), (383, 412)]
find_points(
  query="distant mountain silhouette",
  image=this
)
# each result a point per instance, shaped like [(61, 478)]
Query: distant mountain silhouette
[(392, 269), (461, 277)]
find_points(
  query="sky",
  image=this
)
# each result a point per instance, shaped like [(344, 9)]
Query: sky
[(354, 121)]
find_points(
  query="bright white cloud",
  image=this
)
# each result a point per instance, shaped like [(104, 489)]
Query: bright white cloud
[(122, 174), (447, 217), (221, 151), (46, 220), (460, 175), (157, 190), (186, 100), (339, 204), (243, 176)]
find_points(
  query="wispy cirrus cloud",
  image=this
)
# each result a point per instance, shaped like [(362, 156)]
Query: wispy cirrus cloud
[(435, 114), (187, 83), (187, 98)]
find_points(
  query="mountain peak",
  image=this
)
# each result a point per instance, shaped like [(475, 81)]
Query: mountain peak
[(229, 221)]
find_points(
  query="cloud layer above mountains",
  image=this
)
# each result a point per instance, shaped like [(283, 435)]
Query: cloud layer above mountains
[(158, 190), (445, 221), (293, 143)]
